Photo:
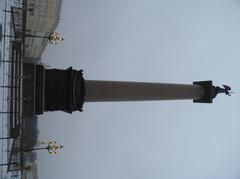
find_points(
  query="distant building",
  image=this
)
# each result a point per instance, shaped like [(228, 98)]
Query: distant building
[(43, 16)]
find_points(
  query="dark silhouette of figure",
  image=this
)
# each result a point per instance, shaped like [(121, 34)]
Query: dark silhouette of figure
[(225, 90)]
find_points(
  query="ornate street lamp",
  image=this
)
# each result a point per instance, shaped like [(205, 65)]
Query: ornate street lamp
[(54, 38), (52, 147)]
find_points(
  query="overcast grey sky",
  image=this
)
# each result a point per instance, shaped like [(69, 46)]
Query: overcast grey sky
[(155, 41)]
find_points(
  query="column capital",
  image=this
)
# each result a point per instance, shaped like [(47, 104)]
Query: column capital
[(209, 90)]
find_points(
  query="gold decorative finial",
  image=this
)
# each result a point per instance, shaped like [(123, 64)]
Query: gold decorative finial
[(52, 147), (54, 38)]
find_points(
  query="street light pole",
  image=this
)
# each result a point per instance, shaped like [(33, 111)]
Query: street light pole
[(53, 37), (31, 149), (26, 35), (9, 61), (3, 138), (6, 164), (9, 112), (9, 86), (12, 12), (52, 147)]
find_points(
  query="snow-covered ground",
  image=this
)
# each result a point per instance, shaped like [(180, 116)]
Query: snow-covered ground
[(4, 55)]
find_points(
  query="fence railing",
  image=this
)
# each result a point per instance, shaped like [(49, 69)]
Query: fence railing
[(10, 81)]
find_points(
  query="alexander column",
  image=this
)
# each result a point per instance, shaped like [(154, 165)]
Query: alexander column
[(67, 90)]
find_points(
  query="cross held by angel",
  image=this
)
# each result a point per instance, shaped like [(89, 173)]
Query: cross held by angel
[(226, 89)]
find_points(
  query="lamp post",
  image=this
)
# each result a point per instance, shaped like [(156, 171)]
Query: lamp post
[(6, 138), (7, 164), (52, 37), (52, 147)]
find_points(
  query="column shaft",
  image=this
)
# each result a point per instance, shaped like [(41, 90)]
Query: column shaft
[(100, 91)]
